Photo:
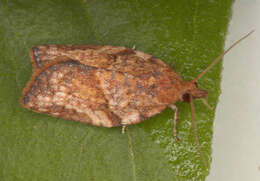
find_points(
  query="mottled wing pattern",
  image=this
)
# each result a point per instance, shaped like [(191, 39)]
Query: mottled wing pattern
[(129, 97), (115, 58), (70, 91), (104, 85), (91, 55)]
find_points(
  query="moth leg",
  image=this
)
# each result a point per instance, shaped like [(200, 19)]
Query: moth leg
[(123, 129), (175, 121)]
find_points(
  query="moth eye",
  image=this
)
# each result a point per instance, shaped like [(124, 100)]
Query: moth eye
[(186, 97)]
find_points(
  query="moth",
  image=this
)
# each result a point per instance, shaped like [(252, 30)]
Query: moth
[(106, 85)]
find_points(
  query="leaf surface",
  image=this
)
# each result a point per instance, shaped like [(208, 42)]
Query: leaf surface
[(186, 34)]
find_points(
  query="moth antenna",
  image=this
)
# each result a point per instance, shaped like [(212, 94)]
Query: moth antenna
[(221, 56), (195, 133), (206, 103)]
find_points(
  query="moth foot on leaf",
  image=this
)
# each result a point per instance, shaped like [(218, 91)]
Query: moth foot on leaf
[(177, 139), (123, 129)]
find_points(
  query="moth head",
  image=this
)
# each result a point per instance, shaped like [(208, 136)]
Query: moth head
[(193, 90)]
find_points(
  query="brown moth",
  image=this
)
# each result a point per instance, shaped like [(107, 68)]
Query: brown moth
[(105, 85)]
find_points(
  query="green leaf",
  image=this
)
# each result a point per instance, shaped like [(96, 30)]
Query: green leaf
[(187, 34)]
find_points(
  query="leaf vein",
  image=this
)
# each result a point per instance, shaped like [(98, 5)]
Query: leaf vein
[(132, 157), (194, 21)]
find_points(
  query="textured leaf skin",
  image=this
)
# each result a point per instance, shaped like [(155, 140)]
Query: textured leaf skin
[(188, 35)]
